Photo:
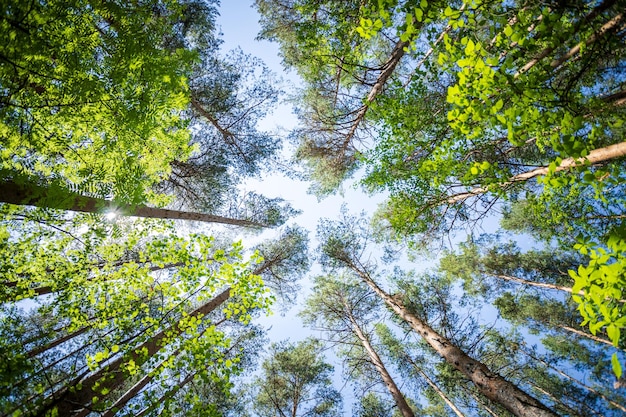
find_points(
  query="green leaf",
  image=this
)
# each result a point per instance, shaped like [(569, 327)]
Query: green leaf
[(617, 367), (613, 332), (469, 48), (419, 14), (508, 31)]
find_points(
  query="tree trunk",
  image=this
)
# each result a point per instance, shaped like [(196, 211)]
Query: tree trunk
[(68, 401), (74, 402), (490, 384), (547, 51), (587, 335), (438, 390), (595, 156), (388, 68), (533, 283), (57, 197), (395, 392)]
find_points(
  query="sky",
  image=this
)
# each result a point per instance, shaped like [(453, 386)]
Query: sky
[(239, 25)]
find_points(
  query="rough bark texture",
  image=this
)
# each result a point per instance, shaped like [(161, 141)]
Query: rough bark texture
[(490, 384), (32, 194)]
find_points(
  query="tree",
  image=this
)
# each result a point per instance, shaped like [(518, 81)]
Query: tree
[(342, 244), (25, 191), (507, 103), (342, 308), (128, 315), (295, 381)]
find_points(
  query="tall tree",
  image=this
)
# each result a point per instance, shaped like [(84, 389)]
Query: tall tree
[(93, 94), (342, 308), (295, 381), (342, 245), (127, 313)]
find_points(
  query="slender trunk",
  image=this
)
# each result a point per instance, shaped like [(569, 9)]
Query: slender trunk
[(490, 384), (57, 197), (587, 335), (482, 404), (610, 25), (395, 392), (576, 381), (388, 68), (229, 137), (169, 394), (111, 375), (438, 390), (534, 283), (560, 402), (68, 401), (547, 51), (595, 156), (539, 284)]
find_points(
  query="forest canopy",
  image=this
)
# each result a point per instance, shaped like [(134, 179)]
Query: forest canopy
[(127, 138)]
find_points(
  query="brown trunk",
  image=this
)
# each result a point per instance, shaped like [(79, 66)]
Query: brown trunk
[(395, 392), (490, 384), (535, 283), (388, 68), (229, 137), (31, 194), (74, 402), (617, 150), (610, 25), (587, 335), (68, 401)]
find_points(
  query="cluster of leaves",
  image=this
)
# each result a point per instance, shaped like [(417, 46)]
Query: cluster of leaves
[(128, 297), (92, 94)]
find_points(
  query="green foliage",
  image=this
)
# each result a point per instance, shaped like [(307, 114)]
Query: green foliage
[(92, 94), (603, 281), (111, 289), (296, 381)]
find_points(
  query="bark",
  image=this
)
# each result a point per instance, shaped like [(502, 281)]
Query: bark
[(490, 384), (71, 403), (617, 150), (229, 137), (388, 68), (610, 25), (587, 335), (56, 197), (535, 283), (76, 402), (540, 284), (395, 392)]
